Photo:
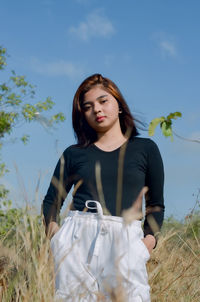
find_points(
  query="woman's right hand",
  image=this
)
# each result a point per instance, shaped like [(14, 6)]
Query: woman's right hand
[(53, 228), (150, 242)]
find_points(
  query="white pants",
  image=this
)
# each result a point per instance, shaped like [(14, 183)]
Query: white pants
[(97, 257)]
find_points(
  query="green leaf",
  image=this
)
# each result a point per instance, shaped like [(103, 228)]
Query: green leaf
[(25, 138), (4, 87), (59, 117), (3, 55), (19, 81), (166, 129), (174, 115), (5, 123), (28, 112), (154, 123), (165, 124), (44, 106)]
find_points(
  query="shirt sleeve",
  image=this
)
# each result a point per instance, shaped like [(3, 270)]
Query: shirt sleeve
[(58, 189), (154, 197)]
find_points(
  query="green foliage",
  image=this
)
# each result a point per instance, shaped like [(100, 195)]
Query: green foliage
[(171, 223), (14, 108), (154, 123), (9, 218), (8, 215), (3, 169), (25, 139), (193, 225), (165, 124), (12, 218), (185, 230), (3, 194), (3, 55), (17, 106)]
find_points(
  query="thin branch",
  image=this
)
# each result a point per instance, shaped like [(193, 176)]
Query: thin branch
[(186, 139)]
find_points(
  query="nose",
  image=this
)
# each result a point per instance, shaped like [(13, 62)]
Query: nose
[(97, 107)]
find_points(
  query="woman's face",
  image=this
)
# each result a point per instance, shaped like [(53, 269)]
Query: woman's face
[(101, 109)]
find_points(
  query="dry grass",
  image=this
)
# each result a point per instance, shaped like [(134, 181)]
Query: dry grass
[(174, 269), (26, 268)]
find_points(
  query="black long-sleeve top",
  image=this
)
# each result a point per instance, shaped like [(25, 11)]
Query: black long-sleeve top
[(141, 166)]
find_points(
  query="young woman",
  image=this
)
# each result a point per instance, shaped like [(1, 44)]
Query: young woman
[(97, 253)]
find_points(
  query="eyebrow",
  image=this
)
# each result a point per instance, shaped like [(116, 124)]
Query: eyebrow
[(98, 98), (101, 96)]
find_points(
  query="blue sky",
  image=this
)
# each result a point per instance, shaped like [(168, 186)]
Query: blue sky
[(150, 49)]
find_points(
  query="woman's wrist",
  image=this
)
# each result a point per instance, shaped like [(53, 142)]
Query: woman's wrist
[(52, 228)]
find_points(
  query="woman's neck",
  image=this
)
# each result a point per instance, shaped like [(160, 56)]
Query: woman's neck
[(110, 140)]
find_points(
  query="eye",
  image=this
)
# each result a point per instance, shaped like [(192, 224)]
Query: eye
[(86, 107), (103, 101)]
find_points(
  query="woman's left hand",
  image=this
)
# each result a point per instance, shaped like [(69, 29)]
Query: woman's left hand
[(150, 242)]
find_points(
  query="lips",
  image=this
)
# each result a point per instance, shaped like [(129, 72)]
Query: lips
[(100, 118)]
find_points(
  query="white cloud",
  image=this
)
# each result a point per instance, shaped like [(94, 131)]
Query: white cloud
[(168, 48), (56, 68), (166, 44), (95, 25)]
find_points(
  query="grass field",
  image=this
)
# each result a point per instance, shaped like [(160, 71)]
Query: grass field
[(26, 267)]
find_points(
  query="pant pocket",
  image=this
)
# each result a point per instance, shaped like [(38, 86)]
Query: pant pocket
[(73, 276), (132, 265), (62, 241), (145, 251), (56, 234)]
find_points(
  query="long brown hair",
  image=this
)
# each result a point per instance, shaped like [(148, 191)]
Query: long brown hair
[(84, 133)]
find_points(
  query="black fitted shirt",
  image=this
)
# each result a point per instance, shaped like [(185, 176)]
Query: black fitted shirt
[(141, 166)]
